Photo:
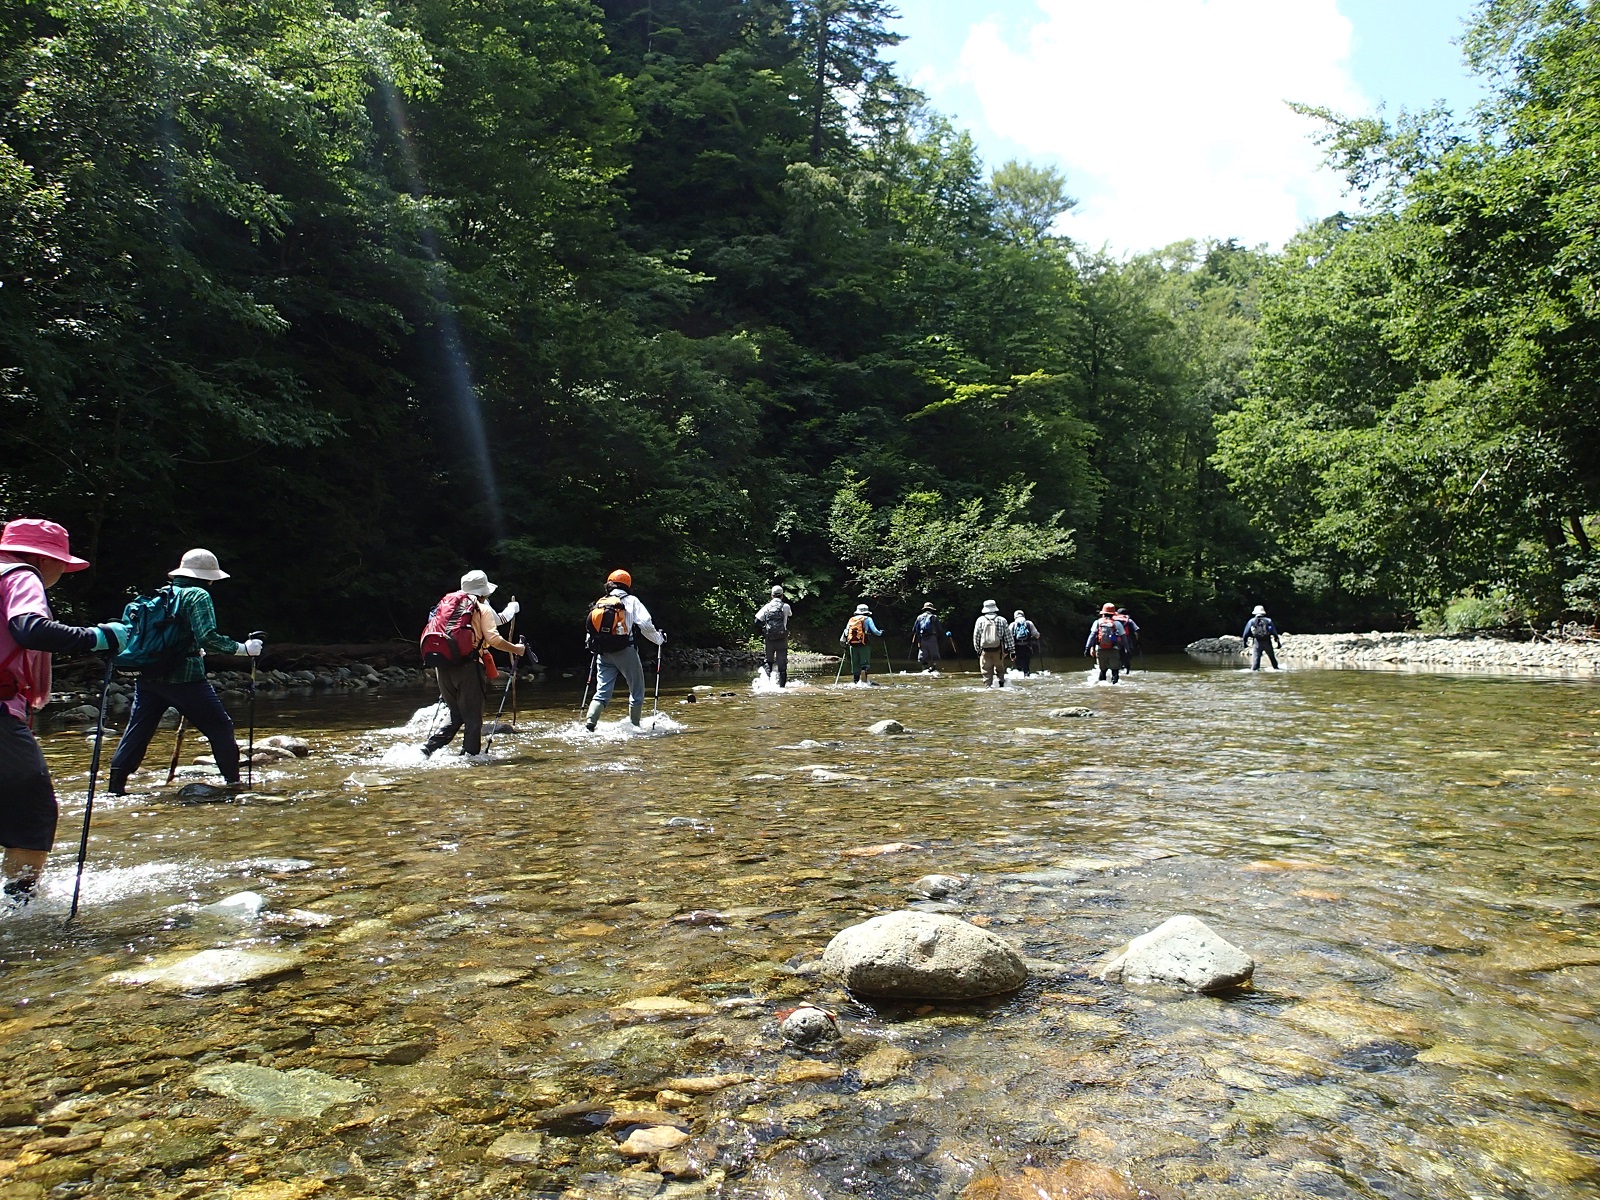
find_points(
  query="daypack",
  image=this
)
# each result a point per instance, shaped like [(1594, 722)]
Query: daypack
[(855, 633), (771, 619), (993, 634), (12, 684), (157, 634), (1261, 628), (449, 638), (1023, 631), (925, 626), (606, 630), (1107, 633)]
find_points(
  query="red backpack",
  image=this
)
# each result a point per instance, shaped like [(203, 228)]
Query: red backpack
[(449, 638), (1107, 633)]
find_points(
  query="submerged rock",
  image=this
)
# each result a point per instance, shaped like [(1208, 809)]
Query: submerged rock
[(244, 906), (271, 1093), (297, 746), (1075, 711), (889, 726), (1184, 951), (938, 886), (206, 793), (928, 956), (807, 1025), (211, 970), (517, 1147)]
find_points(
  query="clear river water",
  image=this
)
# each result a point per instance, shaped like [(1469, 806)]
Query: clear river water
[(500, 960)]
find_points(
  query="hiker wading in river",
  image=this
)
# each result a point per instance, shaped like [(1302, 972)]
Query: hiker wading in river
[(854, 639), (1260, 629), (180, 682), (33, 557), (464, 682), (993, 640), (772, 623), (925, 636), (611, 633), (1107, 638)]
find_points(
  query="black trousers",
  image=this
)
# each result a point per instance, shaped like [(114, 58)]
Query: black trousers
[(463, 687), (198, 703), (27, 800)]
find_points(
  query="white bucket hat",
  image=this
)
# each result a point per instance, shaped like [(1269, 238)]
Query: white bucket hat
[(476, 583), (198, 564), (989, 606), (863, 611), (1260, 611), (1017, 616)]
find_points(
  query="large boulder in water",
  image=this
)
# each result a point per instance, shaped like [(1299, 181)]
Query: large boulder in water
[(922, 956), (1184, 952)]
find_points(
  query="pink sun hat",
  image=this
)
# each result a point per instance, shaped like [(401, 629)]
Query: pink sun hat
[(29, 535)]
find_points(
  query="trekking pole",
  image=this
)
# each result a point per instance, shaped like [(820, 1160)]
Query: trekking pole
[(888, 662), (177, 749), (583, 703), (94, 773), (840, 672), (515, 671), (250, 764), (510, 683), (655, 711)]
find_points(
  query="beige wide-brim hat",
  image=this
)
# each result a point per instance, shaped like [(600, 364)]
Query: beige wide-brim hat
[(989, 606), (476, 583), (198, 564)]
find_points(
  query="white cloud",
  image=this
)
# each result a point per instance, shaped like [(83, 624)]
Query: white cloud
[(1169, 116)]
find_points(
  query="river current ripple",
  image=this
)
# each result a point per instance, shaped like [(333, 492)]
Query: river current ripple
[(1411, 859)]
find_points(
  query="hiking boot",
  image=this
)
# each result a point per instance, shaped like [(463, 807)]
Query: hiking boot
[(119, 782), (19, 892)]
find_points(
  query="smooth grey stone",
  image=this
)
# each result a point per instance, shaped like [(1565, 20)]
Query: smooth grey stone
[(885, 727), (1075, 711), (1184, 952), (211, 970), (919, 955)]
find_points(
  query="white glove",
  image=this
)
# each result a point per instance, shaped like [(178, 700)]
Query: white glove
[(251, 647), (510, 611)]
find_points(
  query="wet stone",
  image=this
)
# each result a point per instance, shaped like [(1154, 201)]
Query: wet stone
[(517, 1147), (272, 1093), (211, 970), (1184, 952), (889, 726), (938, 887)]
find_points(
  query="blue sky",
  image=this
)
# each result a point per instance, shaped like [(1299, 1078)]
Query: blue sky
[(1168, 117)]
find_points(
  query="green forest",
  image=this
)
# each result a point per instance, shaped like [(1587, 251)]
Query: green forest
[(360, 297)]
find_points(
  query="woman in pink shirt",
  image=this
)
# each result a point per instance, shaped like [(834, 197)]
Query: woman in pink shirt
[(34, 555)]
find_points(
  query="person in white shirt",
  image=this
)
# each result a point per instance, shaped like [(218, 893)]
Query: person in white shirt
[(772, 622), (614, 622)]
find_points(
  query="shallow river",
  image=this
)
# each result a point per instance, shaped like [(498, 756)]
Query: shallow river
[(1411, 860)]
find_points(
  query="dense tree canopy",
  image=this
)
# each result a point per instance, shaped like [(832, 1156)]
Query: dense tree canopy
[(361, 296)]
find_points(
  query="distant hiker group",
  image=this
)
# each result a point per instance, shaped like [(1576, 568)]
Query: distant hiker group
[(1113, 635)]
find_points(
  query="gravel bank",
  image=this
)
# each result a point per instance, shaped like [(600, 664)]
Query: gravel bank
[(1417, 651)]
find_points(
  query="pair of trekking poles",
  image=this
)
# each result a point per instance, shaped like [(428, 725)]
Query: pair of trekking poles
[(887, 661), (94, 762)]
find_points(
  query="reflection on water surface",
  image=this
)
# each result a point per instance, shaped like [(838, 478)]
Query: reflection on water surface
[(1410, 859)]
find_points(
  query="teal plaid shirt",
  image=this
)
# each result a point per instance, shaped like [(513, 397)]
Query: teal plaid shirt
[(197, 611)]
